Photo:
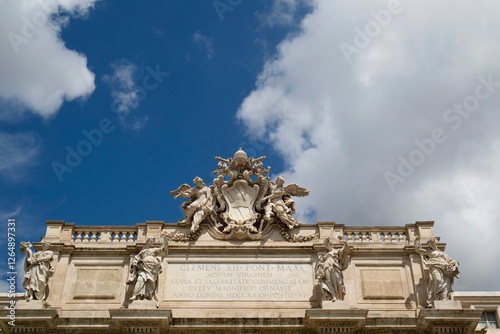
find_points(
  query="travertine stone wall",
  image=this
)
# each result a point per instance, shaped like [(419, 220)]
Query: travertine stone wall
[(92, 263), (222, 285)]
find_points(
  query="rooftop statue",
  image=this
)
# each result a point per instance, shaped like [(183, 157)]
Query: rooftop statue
[(442, 271), (199, 205), (329, 270), (242, 203), (279, 202), (37, 270), (145, 268)]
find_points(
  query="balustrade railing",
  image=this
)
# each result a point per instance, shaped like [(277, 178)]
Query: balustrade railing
[(357, 235), (122, 234)]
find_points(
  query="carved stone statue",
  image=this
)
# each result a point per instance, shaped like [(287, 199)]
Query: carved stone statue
[(37, 270), (442, 271), (329, 270), (145, 268), (199, 205), (243, 203), (279, 203)]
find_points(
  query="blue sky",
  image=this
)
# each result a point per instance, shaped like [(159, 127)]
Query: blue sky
[(387, 111)]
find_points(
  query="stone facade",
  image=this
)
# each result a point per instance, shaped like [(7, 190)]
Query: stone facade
[(241, 286), (240, 262)]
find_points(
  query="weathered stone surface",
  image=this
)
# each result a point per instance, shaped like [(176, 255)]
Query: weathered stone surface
[(241, 263), (447, 305), (335, 305)]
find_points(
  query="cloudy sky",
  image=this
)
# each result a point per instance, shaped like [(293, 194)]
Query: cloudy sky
[(386, 110)]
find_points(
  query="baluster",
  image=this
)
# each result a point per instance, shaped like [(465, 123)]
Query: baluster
[(364, 236), (400, 237), (78, 236), (94, 236)]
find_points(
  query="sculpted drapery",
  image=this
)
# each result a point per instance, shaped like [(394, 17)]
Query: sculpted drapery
[(37, 270), (442, 271), (144, 270), (329, 271)]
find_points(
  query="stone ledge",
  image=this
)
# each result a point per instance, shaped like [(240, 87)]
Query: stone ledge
[(344, 320), (448, 320), (132, 320)]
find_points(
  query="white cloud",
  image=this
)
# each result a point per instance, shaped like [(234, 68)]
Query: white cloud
[(17, 153), (283, 12), (340, 125), (204, 42), (126, 94), (38, 72)]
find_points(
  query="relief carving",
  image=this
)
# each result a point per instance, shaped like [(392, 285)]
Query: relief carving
[(242, 203)]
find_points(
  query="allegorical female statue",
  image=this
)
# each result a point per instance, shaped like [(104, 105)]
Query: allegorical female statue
[(145, 268), (37, 270), (329, 270), (442, 271)]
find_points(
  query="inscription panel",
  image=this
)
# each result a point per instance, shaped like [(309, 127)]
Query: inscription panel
[(242, 282), (97, 283), (382, 283)]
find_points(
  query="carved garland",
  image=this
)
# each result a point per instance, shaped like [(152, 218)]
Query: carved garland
[(181, 237), (296, 238)]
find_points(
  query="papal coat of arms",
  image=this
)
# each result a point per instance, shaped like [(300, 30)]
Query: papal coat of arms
[(242, 203)]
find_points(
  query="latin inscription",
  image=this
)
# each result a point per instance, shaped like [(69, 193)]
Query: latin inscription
[(217, 281)]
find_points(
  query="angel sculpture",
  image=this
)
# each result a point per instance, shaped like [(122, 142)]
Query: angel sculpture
[(442, 271), (279, 203), (199, 205), (329, 270), (144, 270)]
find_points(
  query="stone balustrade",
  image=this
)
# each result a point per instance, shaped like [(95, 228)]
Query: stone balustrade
[(69, 233), (122, 234), (396, 235)]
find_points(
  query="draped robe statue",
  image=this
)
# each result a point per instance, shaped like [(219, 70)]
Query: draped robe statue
[(144, 270), (329, 271), (37, 270), (442, 271)]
